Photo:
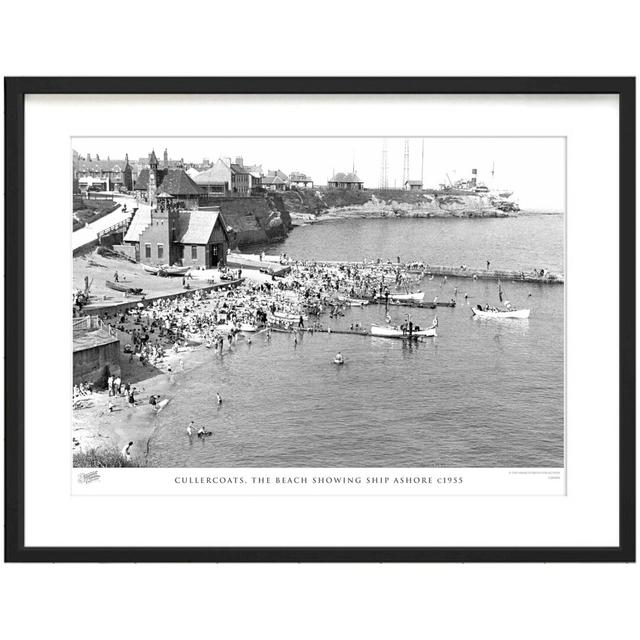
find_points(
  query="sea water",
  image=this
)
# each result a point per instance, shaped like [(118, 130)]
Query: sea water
[(484, 393)]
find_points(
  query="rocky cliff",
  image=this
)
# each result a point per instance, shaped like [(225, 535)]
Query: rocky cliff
[(255, 220), (267, 218), (395, 203)]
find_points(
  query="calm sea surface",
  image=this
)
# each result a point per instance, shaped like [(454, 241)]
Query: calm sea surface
[(482, 394)]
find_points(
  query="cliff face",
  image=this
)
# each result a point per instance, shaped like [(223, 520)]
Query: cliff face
[(253, 220), (267, 218), (395, 203)]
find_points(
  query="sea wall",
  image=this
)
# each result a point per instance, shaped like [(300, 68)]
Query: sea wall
[(95, 363)]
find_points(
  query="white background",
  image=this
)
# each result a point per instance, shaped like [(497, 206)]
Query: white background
[(314, 601)]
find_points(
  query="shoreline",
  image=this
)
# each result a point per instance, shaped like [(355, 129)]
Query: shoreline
[(94, 427)]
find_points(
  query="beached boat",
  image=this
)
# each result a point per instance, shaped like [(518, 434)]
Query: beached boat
[(521, 314), (116, 286), (150, 269), (414, 297), (248, 328), (174, 271), (388, 331)]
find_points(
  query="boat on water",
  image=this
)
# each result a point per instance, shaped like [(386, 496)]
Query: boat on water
[(247, 327), (521, 314), (338, 361), (435, 303), (508, 311), (354, 302), (116, 286), (414, 297), (291, 317), (388, 331)]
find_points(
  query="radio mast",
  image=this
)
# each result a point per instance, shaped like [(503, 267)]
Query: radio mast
[(384, 168), (405, 169)]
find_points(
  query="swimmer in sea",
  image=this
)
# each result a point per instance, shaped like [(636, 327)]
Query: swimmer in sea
[(218, 398)]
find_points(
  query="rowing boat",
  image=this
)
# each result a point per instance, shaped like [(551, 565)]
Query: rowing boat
[(134, 291), (521, 314), (386, 331), (149, 269), (174, 271), (354, 302), (291, 317), (433, 305), (415, 297)]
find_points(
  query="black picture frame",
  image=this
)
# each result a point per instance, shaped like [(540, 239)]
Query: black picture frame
[(15, 91)]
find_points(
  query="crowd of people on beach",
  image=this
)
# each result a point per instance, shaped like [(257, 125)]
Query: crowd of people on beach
[(217, 318)]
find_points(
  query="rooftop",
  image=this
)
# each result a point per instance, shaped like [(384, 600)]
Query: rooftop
[(345, 177)]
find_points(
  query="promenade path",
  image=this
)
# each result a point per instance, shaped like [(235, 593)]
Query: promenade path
[(90, 233)]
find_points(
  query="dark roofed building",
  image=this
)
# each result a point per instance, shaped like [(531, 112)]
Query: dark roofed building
[(300, 180), (175, 182), (178, 237), (346, 181), (114, 174)]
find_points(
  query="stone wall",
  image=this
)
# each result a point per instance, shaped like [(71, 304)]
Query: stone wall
[(95, 364)]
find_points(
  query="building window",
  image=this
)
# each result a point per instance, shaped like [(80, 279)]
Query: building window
[(147, 250), (194, 252), (160, 251)]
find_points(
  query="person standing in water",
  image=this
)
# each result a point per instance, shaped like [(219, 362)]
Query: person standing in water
[(190, 428), (218, 398)]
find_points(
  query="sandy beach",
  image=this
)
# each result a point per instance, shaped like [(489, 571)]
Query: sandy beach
[(95, 427)]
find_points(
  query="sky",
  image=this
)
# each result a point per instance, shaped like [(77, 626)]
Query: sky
[(533, 168)]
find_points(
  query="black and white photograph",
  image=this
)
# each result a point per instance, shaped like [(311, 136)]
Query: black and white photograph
[(318, 302)]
